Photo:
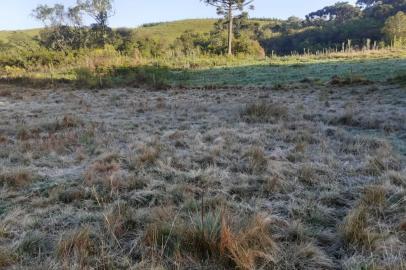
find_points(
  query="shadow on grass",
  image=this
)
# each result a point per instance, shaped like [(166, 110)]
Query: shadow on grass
[(35, 82), (262, 75)]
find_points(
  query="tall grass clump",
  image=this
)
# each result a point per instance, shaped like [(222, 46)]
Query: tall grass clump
[(264, 113), (217, 238)]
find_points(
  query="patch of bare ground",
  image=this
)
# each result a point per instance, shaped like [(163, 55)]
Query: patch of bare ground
[(310, 178)]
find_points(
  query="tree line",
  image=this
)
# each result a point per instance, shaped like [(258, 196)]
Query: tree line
[(369, 24)]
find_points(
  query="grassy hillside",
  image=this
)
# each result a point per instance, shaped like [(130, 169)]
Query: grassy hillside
[(167, 31), (4, 35), (171, 30)]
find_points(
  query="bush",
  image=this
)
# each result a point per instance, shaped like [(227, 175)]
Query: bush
[(85, 78), (13, 71), (154, 78), (246, 46)]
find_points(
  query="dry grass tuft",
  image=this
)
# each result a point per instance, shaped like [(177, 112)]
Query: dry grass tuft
[(148, 155), (309, 257), (34, 244), (307, 174), (212, 238), (274, 184), (16, 178), (69, 194), (24, 134), (6, 93), (6, 258), (104, 171), (120, 220), (402, 226), (251, 247), (355, 228), (3, 139), (108, 173), (347, 118), (67, 122), (264, 113), (396, 178), (76, 247), (374, 196), (257, 161), (349, 80), (382, 161)]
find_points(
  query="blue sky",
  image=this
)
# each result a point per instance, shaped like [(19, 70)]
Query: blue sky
[(15, 14)]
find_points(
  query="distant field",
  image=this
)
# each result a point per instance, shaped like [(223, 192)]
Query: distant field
[(374, 66), (265, 73)]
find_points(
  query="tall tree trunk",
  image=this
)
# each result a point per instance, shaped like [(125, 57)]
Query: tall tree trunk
[(230, 29)]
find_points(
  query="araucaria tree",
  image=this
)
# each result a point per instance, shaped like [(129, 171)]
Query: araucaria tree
[(227, 8)]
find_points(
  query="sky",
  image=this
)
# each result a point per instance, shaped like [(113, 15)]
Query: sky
[(15, 14)]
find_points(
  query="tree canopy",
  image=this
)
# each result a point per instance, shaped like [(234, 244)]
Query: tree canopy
[(339, 12), (395, 26)]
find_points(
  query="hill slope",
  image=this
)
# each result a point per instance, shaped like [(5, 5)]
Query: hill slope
[(171, 30), (5, 35), (167, 31)]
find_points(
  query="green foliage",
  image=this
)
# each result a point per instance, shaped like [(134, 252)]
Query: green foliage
[(333, 26), (37, 57), (331, 35), (215, 42), (64, 27), (85, 78), (395, 28), (245, 45), (339, 12), (145, 76), (64, 38)]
